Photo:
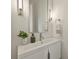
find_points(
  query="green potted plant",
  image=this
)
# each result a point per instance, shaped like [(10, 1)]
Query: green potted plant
[(24, 36)]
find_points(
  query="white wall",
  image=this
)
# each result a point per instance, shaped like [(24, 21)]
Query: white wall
[(60, 12), (18, 23)]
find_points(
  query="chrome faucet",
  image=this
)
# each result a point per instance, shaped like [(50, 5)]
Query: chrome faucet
[(41, 37)]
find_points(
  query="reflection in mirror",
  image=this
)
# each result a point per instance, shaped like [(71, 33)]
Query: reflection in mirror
[(38, 15)]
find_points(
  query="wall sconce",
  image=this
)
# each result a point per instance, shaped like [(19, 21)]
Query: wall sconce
[(50, 15), (20, 7)]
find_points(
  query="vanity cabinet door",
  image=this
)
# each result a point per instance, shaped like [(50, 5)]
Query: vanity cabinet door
[(55, 51), (37, 54)]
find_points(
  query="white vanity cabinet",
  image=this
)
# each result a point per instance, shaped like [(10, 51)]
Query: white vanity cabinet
[(50, 49), (55, 50)]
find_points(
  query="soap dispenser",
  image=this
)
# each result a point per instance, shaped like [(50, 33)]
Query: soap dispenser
[(32, 38)]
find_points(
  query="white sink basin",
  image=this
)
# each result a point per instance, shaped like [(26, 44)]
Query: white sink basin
[(50, 40)]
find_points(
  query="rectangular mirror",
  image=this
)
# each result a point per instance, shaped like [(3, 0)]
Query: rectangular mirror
[(38, 15)]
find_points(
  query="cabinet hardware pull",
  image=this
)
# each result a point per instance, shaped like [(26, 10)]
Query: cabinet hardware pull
[(48, 55)]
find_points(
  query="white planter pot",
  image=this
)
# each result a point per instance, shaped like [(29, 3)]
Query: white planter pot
[(24, 41)]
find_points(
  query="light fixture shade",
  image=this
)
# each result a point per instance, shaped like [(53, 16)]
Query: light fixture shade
[(20, 4), (20, 7)]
